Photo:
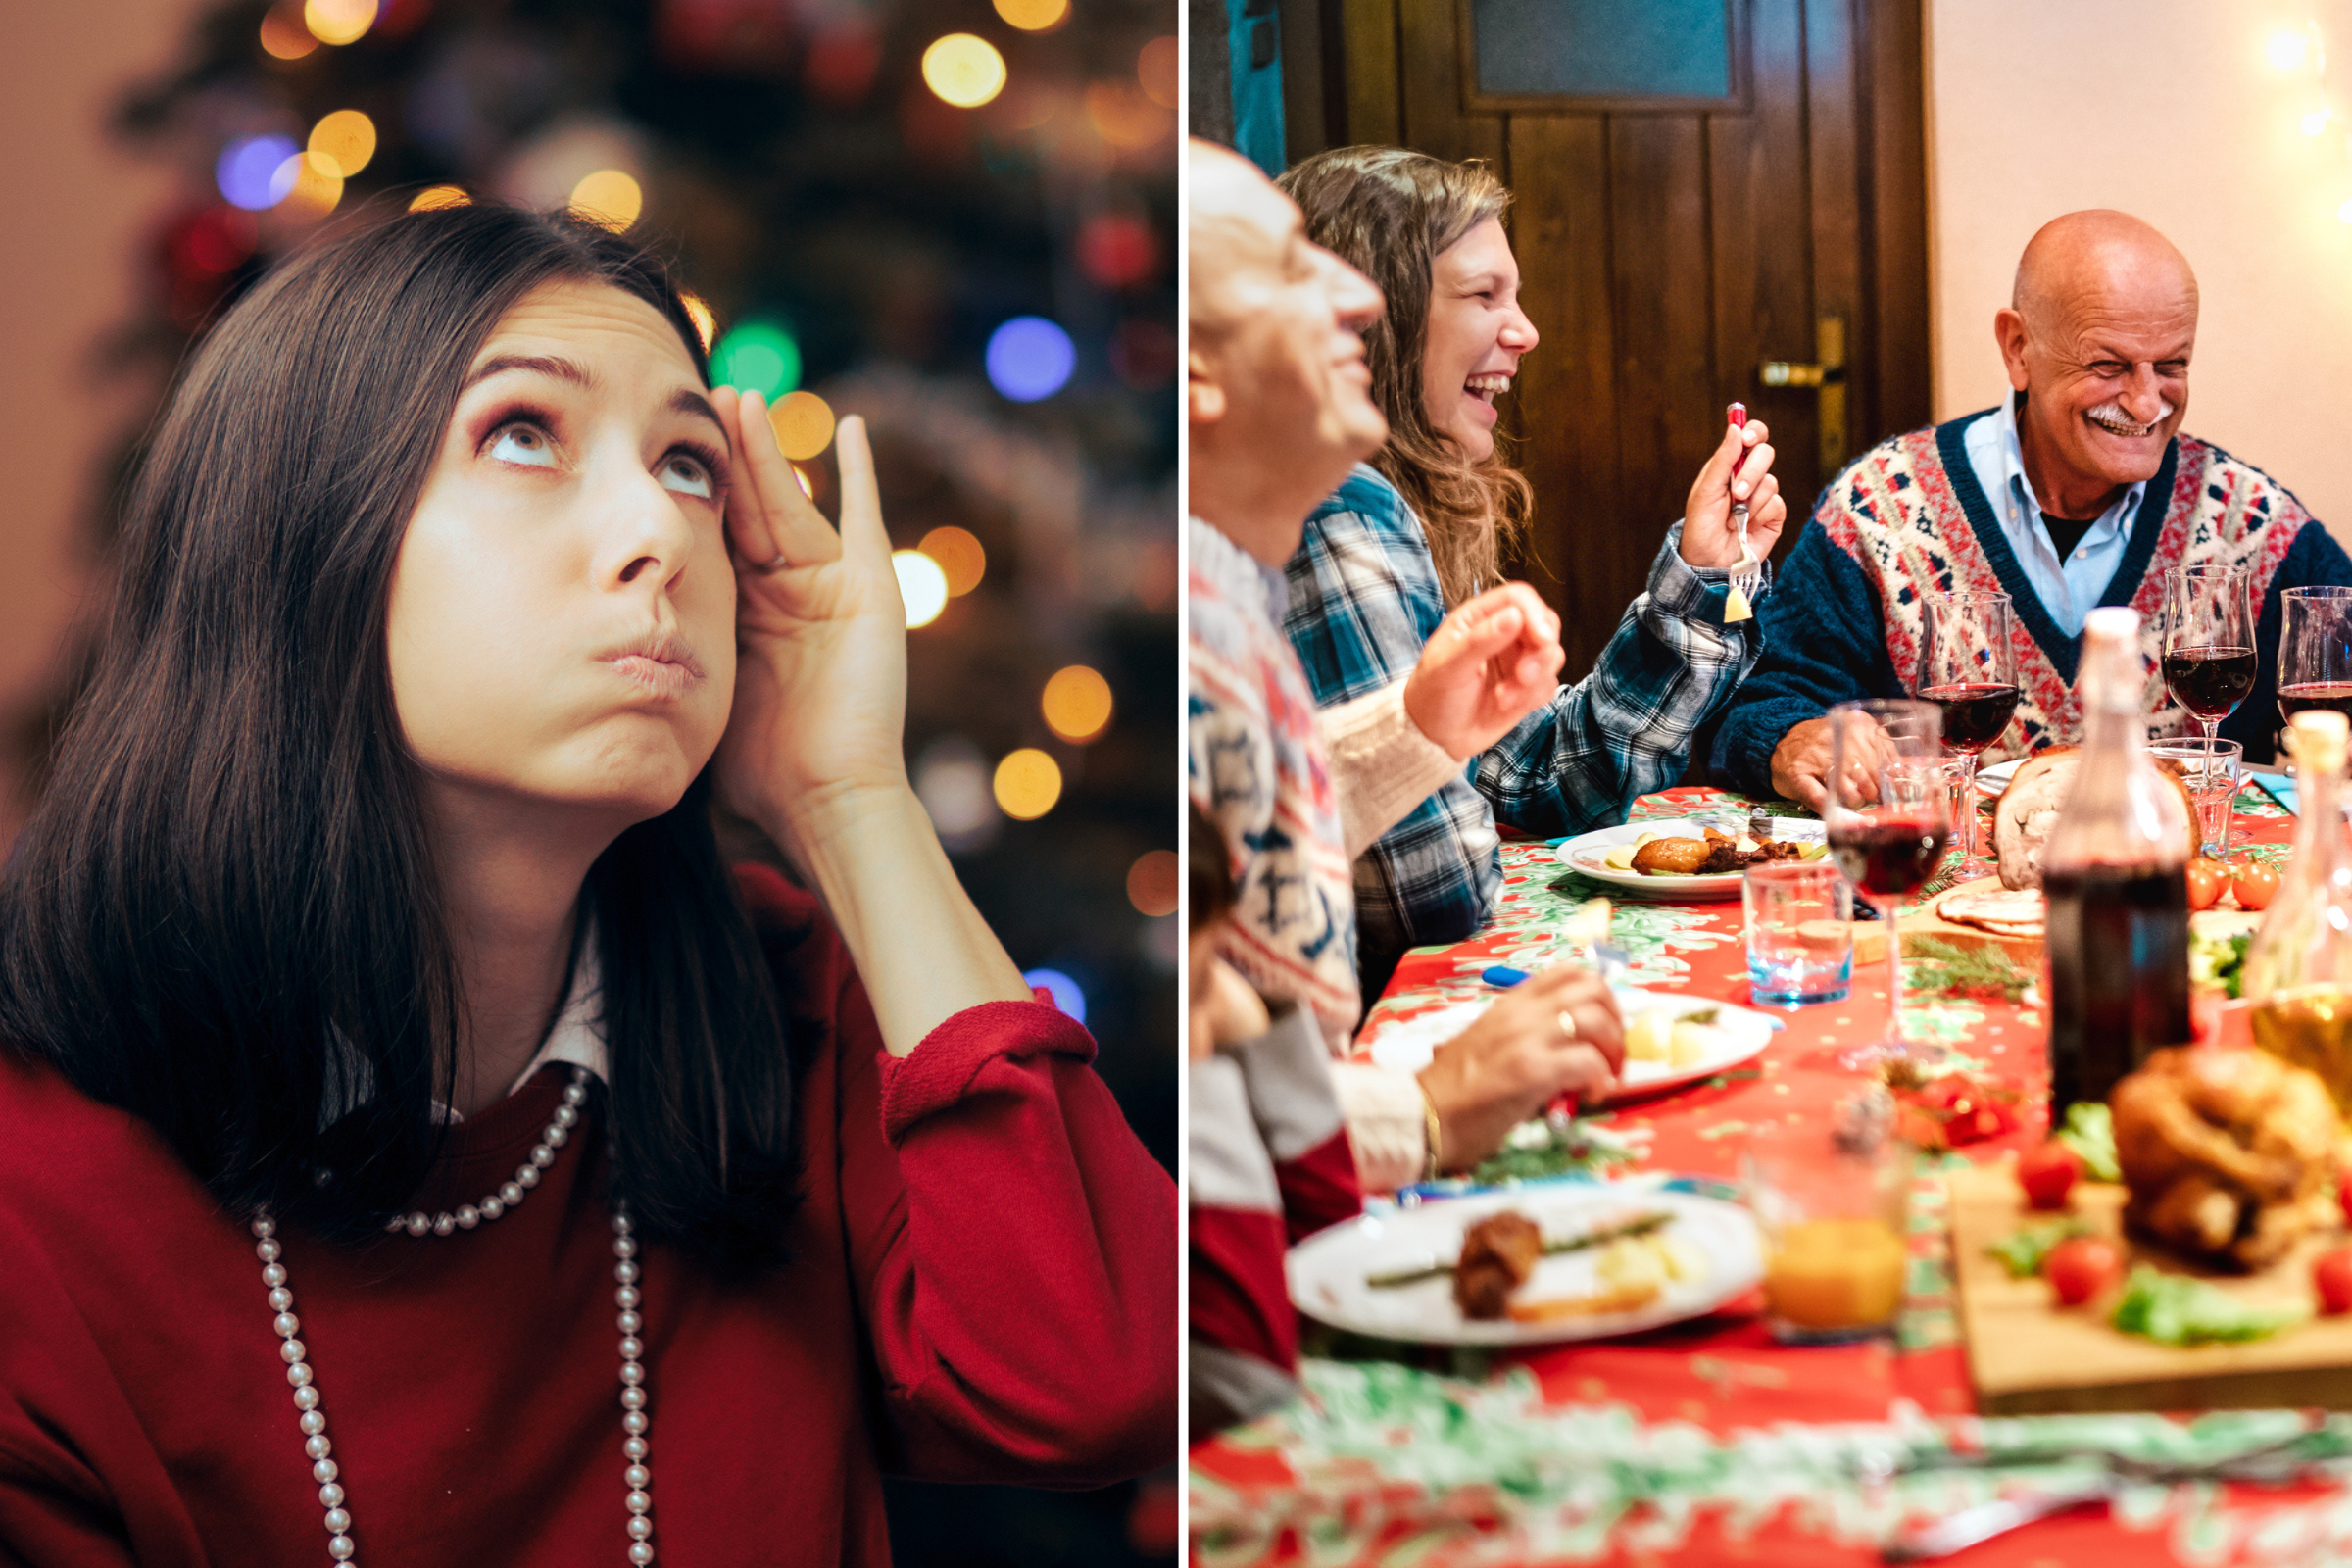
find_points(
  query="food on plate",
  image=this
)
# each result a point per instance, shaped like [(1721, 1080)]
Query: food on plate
[(2081, 1267), (2029, 811), (1712, 854), (2048, 1174), (1597, 1236), (1836, 1273), (1634, 1271), (1499, 1253), (2025, 1250), (2255, 882), (1631, 1296), (1675, 1039), (2218, 940), (2208, 880), (2331, 1281), (2229, 1153), (2174, 1309), (1673, 857), (2012, 912), (2090, 1131)]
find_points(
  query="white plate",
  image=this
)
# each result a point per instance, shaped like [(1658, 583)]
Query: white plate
[(1584, 853), (1407, 1046), (1327, 1270), (1994, 779)]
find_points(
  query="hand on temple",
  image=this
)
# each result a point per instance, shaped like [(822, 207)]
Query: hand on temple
[(1519, 1056), (1710, 535), (1492, 663)]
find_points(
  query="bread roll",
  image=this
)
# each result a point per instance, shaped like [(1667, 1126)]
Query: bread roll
[(2029, 811)]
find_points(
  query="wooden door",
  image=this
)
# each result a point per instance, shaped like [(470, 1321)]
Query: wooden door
[(1669, 249)]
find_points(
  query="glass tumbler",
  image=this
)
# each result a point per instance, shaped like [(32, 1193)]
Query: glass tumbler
[(1833, 1220), (2210, 770), (1801, 932)]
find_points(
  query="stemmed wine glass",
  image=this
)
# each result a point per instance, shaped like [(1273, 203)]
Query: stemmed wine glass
[(1967, 668), (2315, 651), (1888, 812), (2209, 641)]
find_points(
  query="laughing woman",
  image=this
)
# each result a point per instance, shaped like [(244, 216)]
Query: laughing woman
[(415, 1145)]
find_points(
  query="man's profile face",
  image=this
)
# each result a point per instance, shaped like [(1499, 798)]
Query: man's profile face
[(1276, 322), (2103, 358)]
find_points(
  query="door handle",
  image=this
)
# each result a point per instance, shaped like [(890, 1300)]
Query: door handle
[(1826, 376)]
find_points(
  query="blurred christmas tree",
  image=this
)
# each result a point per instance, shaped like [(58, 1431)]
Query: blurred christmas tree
[(954, 221)]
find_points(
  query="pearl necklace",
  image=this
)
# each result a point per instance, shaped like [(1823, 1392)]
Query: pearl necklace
[(319, 1450)]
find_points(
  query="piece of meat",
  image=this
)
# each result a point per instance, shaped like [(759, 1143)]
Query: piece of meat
[(1499, 1253), (1673, 857)]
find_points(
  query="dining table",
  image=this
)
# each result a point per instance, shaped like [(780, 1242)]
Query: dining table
[(1706, 1441)]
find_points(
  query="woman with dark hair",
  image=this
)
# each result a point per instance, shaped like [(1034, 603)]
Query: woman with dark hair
[(1428, 524), (413, 1129)]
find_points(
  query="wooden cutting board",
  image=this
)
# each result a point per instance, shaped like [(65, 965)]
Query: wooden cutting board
[(2026, 1353), (1870, 936)]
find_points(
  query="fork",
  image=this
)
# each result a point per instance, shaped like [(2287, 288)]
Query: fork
[(1747, 577)]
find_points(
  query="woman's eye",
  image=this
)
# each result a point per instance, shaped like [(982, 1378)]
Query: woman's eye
[(686, 476), (523, 444)]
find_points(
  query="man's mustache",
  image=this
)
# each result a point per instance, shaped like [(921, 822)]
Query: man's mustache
[(2110, 416)]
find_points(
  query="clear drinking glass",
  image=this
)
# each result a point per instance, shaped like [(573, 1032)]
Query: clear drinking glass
[(1888, 812), (1968, 668), (1801, 932), (2210, 769), (2209, 641), (2315, 651), (1833, 1219)]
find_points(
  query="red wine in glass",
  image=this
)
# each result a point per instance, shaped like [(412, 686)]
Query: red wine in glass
[(2335, 694), (2210, 682), (1888, 856), (1975, 712)]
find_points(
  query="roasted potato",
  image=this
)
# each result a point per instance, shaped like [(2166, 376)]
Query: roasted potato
[(1672, 856)]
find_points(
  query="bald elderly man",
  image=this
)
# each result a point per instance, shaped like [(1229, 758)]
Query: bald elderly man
[(2079, 490)]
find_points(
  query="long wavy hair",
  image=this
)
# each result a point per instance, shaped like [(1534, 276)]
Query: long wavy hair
[(1389, 213), (224, 916)]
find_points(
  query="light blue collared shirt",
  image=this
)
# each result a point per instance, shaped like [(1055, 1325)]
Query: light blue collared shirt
[(2069, 589)]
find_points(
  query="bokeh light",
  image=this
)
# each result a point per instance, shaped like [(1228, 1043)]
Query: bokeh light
[(1076, 703), (314, 186), (284, 38), (1116, 250), (756, 356), (950, 779), (1027, 784), (922, 587), (959, 554), (963, 70), (338, 21), (705, 323), (2286, 49), (1151, 883), (1030, 357), (2315, 122), (1155, 68), (346, 140), (1124, 118), (1062, 988), (609, 197), (437, 196), (256, 171), (214, 242), (804, 423), (1032, 16)]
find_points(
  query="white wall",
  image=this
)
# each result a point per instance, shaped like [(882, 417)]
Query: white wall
[(2171, 110)]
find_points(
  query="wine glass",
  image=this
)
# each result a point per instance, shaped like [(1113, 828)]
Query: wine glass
[(2315, 651), (1967, 668), (1888, 814), (2209, 641)]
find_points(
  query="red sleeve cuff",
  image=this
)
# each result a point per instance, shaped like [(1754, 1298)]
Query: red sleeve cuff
[(939, 1072)]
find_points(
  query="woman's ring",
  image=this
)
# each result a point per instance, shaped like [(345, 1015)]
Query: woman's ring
[(1567, 1023)]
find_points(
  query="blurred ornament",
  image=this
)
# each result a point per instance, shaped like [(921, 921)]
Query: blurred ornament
[(1076, 703), (1062, 989), (211, 243), (435, 196), (1029, 358), (1155, 71), (952, 781), (842, 61), (346, 140), (922, 586), (1116, 250), (758, 354), (1125, 117), (1143, 352), (1151, 883), (737, 37), (284, 36), (256, 171), (397, 19), (959, 554), (1027, 784), (1034, 15), (338, 21), (963, 70), (607, 197), (803, 427)]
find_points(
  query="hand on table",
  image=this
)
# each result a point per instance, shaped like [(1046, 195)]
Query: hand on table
[(1519, 1058), (1800, 762), (1710, 535), (1492, 663)]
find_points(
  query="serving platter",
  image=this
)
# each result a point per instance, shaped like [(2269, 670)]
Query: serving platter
[(1585, 854), (1407, 1045), (1329, 1270)]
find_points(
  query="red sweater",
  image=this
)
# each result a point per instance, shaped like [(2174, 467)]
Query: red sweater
[(983, 1287)]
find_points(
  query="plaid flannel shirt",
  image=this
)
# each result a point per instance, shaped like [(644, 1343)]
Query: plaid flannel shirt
[(1363, 600)]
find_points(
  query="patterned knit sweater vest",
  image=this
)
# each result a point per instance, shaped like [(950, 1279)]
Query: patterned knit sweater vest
[(1911, 514)]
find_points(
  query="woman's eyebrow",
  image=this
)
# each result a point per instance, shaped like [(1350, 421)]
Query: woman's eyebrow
[(683, 401), (686, 400)]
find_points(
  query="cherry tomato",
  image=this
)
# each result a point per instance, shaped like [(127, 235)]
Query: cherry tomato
[(2048, 1174), (2332, 1276), (2082, 1266), (2254, 883), (2207, 880)]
